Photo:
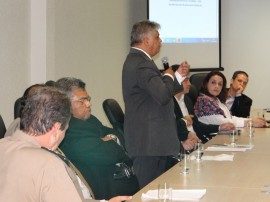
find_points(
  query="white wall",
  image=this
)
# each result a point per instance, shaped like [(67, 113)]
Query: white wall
[(84, 39), (90, 40), (14, 53), (246, 45)]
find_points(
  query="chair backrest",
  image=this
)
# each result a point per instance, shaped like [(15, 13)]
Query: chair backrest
[(193, 93), (2, 128), (18, 105), (115, 115), (197, 80)]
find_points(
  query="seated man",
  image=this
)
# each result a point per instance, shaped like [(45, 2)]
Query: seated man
[(18, 108), (238, 103), (187, 137), (92, 147), (30, 169), (188, 125)]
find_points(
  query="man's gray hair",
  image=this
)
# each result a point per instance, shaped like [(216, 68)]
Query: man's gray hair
[(140, 29), (43, 108), (67, 84)]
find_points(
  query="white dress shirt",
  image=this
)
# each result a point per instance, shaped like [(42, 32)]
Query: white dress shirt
[(184, 110)]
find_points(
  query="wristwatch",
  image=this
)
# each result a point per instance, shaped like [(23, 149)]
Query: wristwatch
[(112, 137)]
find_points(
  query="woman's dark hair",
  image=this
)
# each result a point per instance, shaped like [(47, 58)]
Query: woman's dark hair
[(223, 94)]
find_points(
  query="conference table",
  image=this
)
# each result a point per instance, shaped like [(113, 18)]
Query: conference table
[(246, 178)]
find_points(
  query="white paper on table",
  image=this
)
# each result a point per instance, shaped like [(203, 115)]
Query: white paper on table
[(247, 146), (243, 146), (225, 148), (220, 157), (178, 194)]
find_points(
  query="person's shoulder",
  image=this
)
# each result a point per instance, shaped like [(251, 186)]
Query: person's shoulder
[(136, 53), (246, 97), (78, 122), (203, 97), (135, 50), (36, 152), (139, 55), (94, 119), (204, 100), (40, 157)]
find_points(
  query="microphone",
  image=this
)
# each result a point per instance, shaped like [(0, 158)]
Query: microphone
[(165, 62)]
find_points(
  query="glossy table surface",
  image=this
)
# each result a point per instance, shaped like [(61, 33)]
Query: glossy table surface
[(244, 179)]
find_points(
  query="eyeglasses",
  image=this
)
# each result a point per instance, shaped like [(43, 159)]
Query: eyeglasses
[(83, 100)]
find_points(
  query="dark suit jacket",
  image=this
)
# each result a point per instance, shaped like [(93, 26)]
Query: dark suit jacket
[(96, 158), (202, 130), (241, 106), (150, 126)]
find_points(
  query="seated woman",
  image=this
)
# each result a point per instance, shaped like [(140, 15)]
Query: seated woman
[(188, 124), (210, 107)]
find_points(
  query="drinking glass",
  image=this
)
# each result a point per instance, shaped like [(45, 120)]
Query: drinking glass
[(234, 137), (250, 129), (164, 192), (184, 163), (199, 150)]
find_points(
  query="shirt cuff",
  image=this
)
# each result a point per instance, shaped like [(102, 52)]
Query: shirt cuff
[(169, 76)]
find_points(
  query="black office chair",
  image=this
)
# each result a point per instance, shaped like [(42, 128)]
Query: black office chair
[(2, 128), (193, 94), (50, 83), (197, 80), (20, 102), (18, 106), (115, 115)]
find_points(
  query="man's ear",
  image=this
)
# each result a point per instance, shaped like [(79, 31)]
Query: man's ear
[(56, 127), (231, 81), (145, 39), (55, 136)]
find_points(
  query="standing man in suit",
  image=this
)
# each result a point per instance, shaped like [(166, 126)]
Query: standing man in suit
[(149, 126), (238, 103)]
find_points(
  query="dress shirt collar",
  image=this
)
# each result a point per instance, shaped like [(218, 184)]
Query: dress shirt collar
[(181, 99), (229, 102), (238, 95), (143, 52)]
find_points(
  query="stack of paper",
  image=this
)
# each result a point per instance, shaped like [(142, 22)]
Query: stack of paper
[(231, 148), (220, 157), (178, 194)]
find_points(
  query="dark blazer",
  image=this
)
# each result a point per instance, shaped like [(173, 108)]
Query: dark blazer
[(96, 158), (150, 126), (202, 130), (241, 106)]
